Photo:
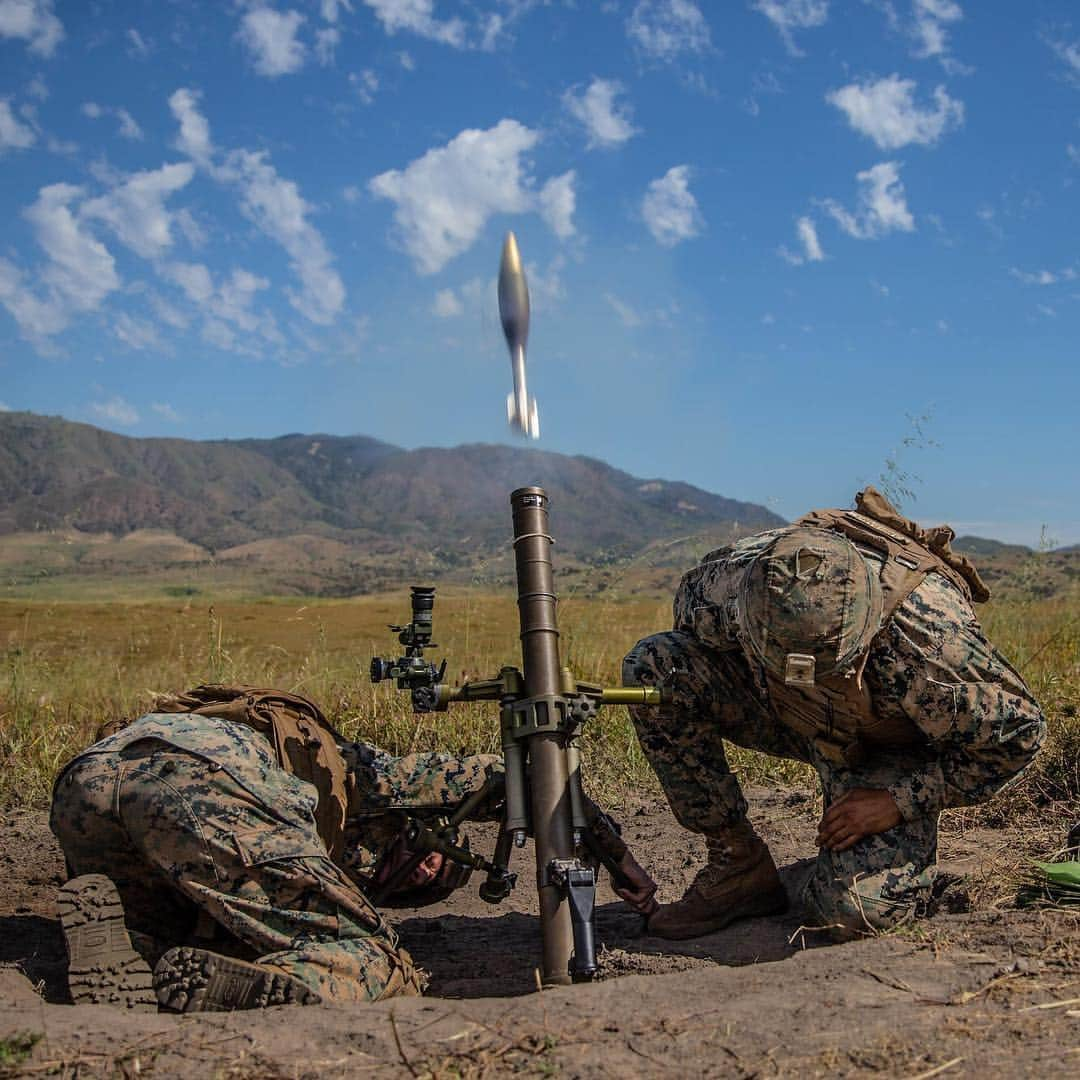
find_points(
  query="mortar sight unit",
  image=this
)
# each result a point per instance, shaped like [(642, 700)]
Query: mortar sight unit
[(411, 671)]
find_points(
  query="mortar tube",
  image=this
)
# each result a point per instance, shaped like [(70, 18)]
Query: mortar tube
[(551, 812)]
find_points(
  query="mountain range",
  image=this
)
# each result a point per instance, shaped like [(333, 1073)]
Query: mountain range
[(88, 512), (323, 499)]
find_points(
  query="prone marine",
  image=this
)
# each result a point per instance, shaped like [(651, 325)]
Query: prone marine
[(847, 641), (221, 852)]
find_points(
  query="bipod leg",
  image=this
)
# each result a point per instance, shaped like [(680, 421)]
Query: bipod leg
[(496, 887)]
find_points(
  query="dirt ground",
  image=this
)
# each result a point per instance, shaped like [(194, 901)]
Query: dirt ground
[(973, 989)]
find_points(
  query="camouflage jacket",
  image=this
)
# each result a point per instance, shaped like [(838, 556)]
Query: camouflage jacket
[(931, 664)]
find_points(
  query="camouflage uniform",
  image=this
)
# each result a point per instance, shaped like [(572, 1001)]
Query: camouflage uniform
[(200, 829), (977, 723)]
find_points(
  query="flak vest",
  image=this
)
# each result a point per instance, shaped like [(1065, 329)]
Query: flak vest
[(304, 742)]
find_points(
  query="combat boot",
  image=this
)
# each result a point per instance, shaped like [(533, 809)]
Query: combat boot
[(197, 980), (738, 881), (103, 968)]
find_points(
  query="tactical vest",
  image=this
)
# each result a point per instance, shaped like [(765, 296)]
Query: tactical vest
[(833, 707), (304, 743)]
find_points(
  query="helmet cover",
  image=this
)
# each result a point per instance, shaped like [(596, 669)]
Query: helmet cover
[(809, 605)]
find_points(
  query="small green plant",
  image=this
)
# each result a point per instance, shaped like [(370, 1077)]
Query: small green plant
[(896, 479), (15, 1049)]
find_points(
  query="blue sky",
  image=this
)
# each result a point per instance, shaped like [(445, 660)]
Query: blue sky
[(763, 237)]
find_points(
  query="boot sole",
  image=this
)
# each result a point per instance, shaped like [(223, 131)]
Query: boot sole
[(103, 968), (195, 980), (773, 903)]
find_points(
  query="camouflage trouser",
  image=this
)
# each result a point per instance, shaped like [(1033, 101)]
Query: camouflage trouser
[(873, 885), (183, 834)]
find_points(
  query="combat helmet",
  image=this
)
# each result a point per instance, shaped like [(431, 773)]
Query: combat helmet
[(808, 606)]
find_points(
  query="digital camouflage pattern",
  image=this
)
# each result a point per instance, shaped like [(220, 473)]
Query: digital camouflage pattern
[(931, 668), (210, 841), (813, 594), (380, 783)]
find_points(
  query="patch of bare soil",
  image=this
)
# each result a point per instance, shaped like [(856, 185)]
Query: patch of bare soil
[(973, 988)]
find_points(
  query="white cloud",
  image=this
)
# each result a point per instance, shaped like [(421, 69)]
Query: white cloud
[(116, 410), (227, 306), (351, 193), (32, 21), (809, 239), (1073, 153), (881, 205), (38, 317), (329, 8), (189, 225), (417, 17), (129, 128), (4, 407), (235, 297), (546, 287), (138, 46), (763, 83), (606, 122), (662, 29), (276, 207), (194, 136), (628, 315), (167, 313), (270, 38), (135, 209), (1039, 277), (365, 83), (136, 333), (930, 20), (886, 111), (447, 305), (193, 278), (444, 198), (406, 61), (670, 209), (14, 135), (326, 42), (167, 412), (806, 231), (557, 201), (791, 15), (492, 27), (1069, 53), (78, 274)]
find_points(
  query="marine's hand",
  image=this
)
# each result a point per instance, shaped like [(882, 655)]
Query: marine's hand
[(857, 813), (641, 892)]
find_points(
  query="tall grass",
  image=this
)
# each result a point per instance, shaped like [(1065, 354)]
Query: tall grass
[(69, 667)]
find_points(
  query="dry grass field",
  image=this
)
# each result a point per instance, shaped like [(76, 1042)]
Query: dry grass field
[(977, 987), (70, 666)]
